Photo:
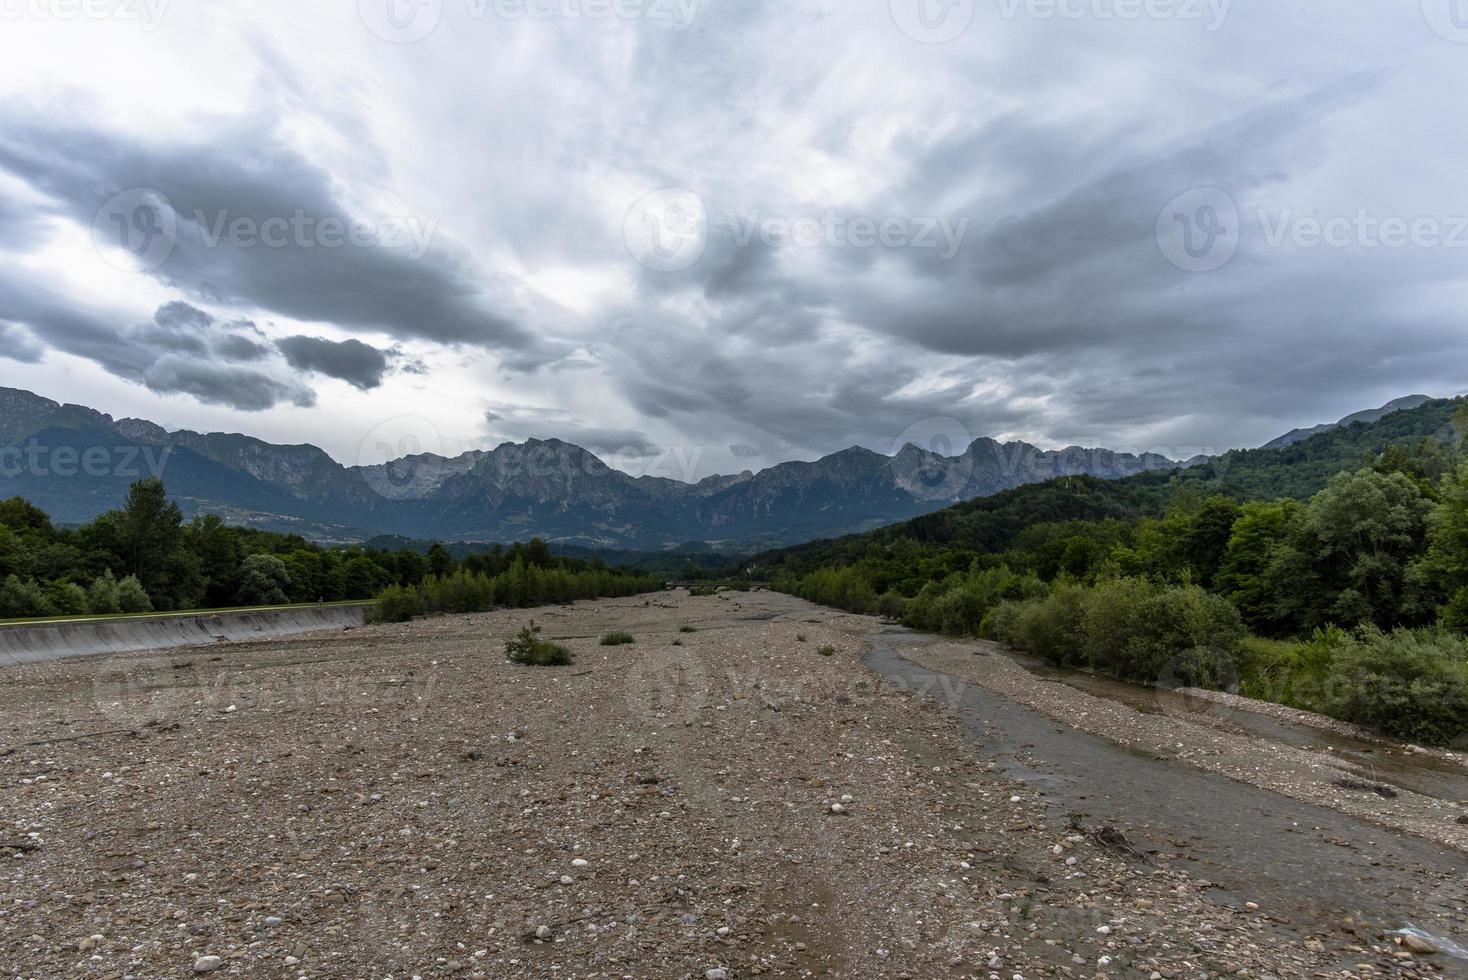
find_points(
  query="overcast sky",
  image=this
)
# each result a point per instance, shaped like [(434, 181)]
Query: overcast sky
[(708, 235)]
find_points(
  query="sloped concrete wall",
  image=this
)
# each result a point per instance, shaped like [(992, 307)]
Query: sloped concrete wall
[(30, 644)]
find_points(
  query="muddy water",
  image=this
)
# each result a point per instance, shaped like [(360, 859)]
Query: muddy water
[(1371, 761), (1307, 866)]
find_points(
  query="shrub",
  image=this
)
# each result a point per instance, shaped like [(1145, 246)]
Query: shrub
[(700, 591), (1053, 627), (397, 604), (799, 637), (617, 639), (1001, 621), (528, 649), (687, 629), (827, 651), (68, 599), (1455, 613), (1142, 632), (263, 582), (1410, 684), (20, 598), (102, 597), (132, 597), (892, 605)]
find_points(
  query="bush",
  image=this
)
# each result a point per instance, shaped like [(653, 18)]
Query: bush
[(1455, 613), (687, 629), (263, 582), (1142, 632), (528, 649), (892, 605), (102, 597), (1410, 684), (68, 599), (1054, 627), (397, 604), (827, 651), (21, 598), (700, 591), (132, 597), (617, 639)]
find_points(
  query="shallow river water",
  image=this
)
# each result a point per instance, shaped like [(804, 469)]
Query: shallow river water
[(1310, 866)]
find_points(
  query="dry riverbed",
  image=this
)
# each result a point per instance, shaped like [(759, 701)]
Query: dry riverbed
[(716, 800)]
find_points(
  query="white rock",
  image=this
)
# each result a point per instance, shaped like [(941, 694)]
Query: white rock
[(543, 932), (716, 974), (580, 863), (1103, 930), (837, 808), (205, 964)]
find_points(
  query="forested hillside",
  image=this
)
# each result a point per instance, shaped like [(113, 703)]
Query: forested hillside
[(1330, 574)]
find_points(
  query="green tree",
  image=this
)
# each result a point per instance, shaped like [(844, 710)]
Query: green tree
[(151, 527), (218, 548), (22, 597), (1358, 538), (103, 598), (263, 582), (132, 597), (440, 562), (1206, 539), (1253, 547)]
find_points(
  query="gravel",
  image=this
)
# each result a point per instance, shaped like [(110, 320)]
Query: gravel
[(399, 801)]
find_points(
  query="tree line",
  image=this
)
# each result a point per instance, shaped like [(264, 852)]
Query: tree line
[(145, 557)]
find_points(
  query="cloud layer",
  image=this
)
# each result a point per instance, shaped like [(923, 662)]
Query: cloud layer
[(754, 231)]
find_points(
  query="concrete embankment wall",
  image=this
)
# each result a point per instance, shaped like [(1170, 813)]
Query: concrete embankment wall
[(55, 641)]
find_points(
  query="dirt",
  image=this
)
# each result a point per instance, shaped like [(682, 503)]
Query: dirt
[(399, 801)]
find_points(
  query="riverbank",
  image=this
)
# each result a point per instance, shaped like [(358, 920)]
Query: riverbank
[(717, 799)]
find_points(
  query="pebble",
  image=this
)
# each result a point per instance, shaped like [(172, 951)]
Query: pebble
[(206, 964), (716, 974), (543, 932)]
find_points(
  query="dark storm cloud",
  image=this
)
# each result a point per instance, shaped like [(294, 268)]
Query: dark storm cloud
[(221, 384), (352, 361), (181, 350), (291, 255), (67, 325), (236, 347), (17, 345)]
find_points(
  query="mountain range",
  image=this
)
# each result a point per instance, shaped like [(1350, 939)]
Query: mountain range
[(76, 462), (1368, 416)]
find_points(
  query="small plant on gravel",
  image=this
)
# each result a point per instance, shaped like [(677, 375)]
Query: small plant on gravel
[(827, 651), (529, 649), (677, 643), (687, 629), (799, 637), (618, 638), (699, 591)]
